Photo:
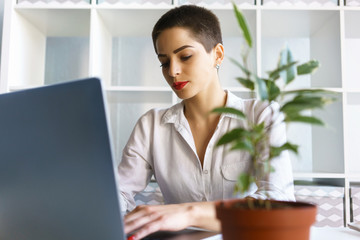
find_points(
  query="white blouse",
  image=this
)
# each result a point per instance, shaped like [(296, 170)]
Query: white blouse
[(162, 145)]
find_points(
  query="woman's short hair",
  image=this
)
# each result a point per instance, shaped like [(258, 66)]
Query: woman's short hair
[(201, 22)]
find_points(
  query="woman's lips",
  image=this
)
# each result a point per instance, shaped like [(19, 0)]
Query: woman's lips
[(179, 85)]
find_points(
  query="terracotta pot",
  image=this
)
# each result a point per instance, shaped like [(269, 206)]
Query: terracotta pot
[(293, 221)]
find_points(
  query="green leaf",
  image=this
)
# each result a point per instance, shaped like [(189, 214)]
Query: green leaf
[(246, 83), (272, 89), (275, 74), (307, 91), (261, 88), (244, 144), (229, 110), (302, 102), (258, 128), (243, 25), (276, 151), (304, 119), (308, 67), (286, 59), (233, 135), (243, 182), (237, 63)]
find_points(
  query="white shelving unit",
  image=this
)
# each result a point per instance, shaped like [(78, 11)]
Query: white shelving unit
[(45, 43)]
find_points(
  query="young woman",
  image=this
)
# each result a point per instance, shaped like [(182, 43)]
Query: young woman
[(177, 145)]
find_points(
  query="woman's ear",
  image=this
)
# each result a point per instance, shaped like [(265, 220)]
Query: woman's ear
[(219, 53)]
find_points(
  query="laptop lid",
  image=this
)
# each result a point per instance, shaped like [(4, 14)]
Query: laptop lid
[(56, 169)]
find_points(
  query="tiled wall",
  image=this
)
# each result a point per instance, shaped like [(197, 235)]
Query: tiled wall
[(330, 202), (150, 196)]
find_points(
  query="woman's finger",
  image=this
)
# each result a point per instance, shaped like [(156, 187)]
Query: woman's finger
[(147, 229), (139, 219), (136, 213)]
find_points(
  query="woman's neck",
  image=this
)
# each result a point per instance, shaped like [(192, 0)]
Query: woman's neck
[(202, 123), (199, 107)]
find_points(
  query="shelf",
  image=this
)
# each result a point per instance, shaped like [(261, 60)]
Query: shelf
[(125, 108), (19, 88), (124, 47), (354, 179), (113, 19), (315, 36), (128, 52), (134, 3), (228, 71), (138, 89), (357, 90), (321, 179), (220, 3), (167, 4), (229, 25), (320, 148), (57, 22), (139, 97), (308, 22), (305, 175), (348, 8), (328, 155), (66, 58), (301, 8), (47, 6), (352, 121), (352, 50)]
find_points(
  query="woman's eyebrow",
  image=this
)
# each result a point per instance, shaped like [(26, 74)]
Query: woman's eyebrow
[(182, 48), (176, 50)]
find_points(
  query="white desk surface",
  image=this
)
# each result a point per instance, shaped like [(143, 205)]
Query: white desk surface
[(320, 233), (328, 233)]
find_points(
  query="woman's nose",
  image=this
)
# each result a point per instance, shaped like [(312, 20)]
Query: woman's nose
[(174, 69)]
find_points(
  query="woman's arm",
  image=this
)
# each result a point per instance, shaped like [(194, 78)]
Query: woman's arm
[(135, 170), (147, 219)]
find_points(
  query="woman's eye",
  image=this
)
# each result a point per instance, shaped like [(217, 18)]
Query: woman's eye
[(164, 65), (186, 57)]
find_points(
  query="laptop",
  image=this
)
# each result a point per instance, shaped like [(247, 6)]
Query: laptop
[(57, 174)]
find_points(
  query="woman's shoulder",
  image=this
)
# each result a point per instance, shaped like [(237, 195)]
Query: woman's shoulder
[(241, 103), (161, 114)]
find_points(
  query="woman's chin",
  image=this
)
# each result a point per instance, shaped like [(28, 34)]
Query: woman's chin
[(184, 96)]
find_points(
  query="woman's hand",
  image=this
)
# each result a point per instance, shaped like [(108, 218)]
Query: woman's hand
[(147, 219)]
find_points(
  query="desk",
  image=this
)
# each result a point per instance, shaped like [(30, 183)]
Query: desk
[(321, 233), (327, 233)]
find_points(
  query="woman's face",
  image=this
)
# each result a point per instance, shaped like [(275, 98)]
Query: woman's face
[(186, 65)]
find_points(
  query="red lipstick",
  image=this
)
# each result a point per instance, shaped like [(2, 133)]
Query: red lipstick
[(179, 85)]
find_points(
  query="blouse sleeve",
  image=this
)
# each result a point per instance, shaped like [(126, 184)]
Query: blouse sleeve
[(135, 170), (280, 184)]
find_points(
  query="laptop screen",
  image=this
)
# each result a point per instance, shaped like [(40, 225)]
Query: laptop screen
[(56, 168)]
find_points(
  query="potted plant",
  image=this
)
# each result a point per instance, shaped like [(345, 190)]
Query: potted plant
[(251, 219)]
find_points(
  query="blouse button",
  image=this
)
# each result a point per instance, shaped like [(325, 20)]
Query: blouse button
[(206, 172)]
